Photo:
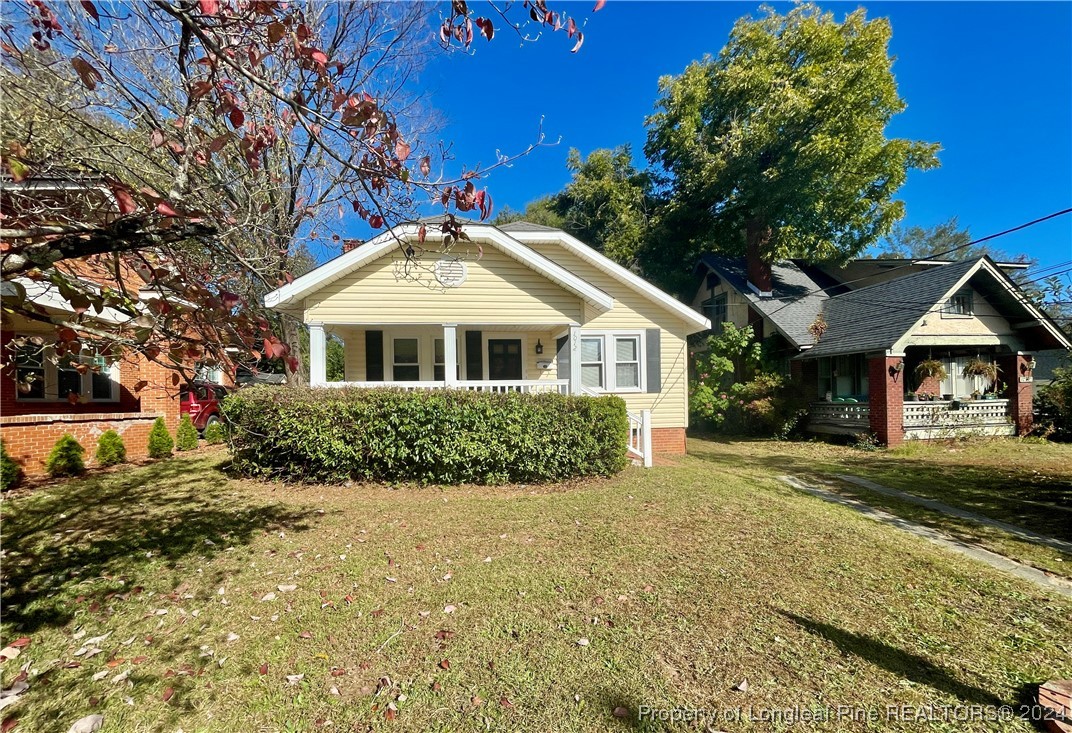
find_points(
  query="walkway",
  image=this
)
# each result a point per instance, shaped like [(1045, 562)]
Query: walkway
[(994, 560)]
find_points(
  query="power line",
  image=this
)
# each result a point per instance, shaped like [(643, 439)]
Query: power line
[(916, 261)]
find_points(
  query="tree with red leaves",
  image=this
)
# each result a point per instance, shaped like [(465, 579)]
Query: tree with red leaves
[(170, 161)]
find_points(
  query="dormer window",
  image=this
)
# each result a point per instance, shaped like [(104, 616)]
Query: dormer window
[(960, 305)]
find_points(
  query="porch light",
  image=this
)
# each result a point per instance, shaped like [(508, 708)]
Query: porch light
[(539, 347), (1032, 364)]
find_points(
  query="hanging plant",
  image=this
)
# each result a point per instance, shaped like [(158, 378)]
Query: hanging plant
[(930, 368), (986, 369)]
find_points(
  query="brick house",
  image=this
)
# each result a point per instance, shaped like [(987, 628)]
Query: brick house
[(882, 319)]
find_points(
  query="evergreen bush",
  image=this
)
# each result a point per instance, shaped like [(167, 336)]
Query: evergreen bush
[(186, 437), (160, 442), (110, 449), (214, 433), (66, 458), (10, 470)]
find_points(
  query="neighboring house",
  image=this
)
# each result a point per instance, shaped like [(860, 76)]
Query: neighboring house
[(44, 395), (882, 318), (520, 307)]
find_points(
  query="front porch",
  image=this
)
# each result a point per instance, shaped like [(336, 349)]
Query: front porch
[(497, 358)]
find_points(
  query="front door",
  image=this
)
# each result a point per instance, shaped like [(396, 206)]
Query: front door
[(504, 358)]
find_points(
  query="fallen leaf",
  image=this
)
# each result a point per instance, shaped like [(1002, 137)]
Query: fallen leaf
[(9, 652), (505, 702), (621, 712), (445, 664), (233, 636), (268, 597), (294, 679), (477, 700), (88, 724), (168, 694), (583, 642), (449, 609), (337, 671), (305, 635), (263, 669), (743, 686), (287, 588)]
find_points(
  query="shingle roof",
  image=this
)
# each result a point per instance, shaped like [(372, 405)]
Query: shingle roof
[(874, 318), (796, 301), (527, 226)]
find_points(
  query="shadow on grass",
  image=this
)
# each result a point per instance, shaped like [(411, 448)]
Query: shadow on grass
[(897, 661), (106, 526), (1013, 492)]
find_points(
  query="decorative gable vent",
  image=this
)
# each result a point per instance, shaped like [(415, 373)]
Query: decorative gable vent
[(451, 273)]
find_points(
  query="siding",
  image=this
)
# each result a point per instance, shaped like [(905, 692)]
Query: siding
[(632, 312), (986, 321), (498, 290)]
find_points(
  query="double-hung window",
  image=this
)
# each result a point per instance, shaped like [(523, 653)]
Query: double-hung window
[(86, 377), (406, 366), (611, 362), (960, 305)]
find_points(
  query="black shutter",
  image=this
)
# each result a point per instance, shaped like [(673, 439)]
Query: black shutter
[(652, 342), (374, 356), (474, 355), (562, 346)]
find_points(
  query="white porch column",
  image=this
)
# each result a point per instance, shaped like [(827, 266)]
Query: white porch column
[(318, 356), (575, 359), (450, 353)]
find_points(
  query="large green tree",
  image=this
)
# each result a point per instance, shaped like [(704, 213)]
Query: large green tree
[(779, 144)]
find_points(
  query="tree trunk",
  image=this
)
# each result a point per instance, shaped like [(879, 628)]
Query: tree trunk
[(292, 336)]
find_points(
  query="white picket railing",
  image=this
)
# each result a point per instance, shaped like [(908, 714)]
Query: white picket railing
[(528, 386), (839, 417), (932, 419)]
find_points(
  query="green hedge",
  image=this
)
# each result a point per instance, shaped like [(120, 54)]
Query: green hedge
[(437, 436)]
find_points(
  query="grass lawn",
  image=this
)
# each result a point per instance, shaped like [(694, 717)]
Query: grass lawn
[(1024, 483), (510, 608)]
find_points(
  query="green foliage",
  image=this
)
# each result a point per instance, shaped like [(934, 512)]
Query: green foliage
[(10, 470), (66, 458), (110, 449), (186, 437), (215, 433), (732, 393), (543, 211), (930, 368), (1053, 403), (160, 441), (924, 242), (783, 136), (440, 436)]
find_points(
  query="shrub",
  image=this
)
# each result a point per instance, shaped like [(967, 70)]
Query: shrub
[(439, 436), (732, 393), (10, 470), (160, 442), (66, 458), (214, 433), (110, 449), (1053, 403), (186, 437)]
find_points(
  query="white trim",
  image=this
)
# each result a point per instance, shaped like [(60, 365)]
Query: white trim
[(289, 295), (51, 379), (998, 274), (586, 253), (757, 291), (389, 357), (610, 359)]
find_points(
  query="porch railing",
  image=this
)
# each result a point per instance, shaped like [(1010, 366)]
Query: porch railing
[(924, 420), (638, 446), (839, 417), (529, 386), (946, 419)]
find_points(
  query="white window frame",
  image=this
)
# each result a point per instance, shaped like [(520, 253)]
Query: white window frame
[(52, 381), (392, 363), (610, 362), (457, 354)]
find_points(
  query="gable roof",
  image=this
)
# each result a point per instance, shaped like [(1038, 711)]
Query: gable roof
[(511, 242), (291, 295), (696, 321), (877, 317), (797, 295)]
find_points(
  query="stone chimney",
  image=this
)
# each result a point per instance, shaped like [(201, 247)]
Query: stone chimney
[(759, 271), (349, 244)]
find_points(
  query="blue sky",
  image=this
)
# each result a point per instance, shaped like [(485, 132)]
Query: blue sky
[(992, 82)]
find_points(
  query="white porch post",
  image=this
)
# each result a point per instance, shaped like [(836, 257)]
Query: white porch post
[(450, 353), (575, 359), (318, 359)]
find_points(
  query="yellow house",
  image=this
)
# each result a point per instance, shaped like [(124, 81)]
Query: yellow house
[(520, 307)]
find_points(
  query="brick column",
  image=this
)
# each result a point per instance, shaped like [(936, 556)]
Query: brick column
[(886, 399), (1019, 394)]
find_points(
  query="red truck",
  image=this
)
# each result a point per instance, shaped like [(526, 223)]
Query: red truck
[(201, 401)]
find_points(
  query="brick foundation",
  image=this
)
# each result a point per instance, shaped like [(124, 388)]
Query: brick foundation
[(1020, 394), (886, 399), (29, 438), (668, 441)]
